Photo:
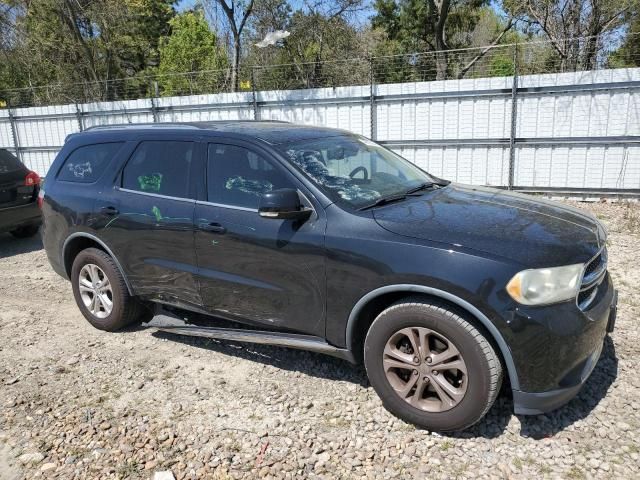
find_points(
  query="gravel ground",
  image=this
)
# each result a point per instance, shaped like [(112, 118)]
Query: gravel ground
[(79, 403)]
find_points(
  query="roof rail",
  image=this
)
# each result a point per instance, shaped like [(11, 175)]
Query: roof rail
[(185, 125), (135, 126)]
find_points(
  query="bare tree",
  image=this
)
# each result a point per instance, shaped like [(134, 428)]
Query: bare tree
[(439, 26), (323, 14), (237, 12), (335, 8), (574, 27), (486, 49), (441, 9)]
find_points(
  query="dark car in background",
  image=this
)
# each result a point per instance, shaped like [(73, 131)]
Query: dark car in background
[(19, 188), (320, 239)]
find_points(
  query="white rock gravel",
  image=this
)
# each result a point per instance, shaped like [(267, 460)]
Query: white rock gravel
[(166, 475), (77, 403)]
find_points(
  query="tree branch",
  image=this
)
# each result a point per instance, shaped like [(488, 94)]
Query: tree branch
[(484, 51), (247, 13), (544, 25)]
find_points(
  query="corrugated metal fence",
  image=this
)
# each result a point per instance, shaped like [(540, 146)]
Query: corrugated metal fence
[(566, 132)]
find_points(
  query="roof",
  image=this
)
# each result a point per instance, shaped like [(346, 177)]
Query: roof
[(271, 131)]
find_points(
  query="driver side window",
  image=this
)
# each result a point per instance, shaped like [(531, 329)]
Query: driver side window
[(237, 176)]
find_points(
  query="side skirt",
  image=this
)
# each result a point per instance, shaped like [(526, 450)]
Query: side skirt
[(174, 325)]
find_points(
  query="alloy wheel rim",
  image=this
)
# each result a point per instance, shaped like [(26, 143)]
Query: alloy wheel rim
[(425, 369), (95, 290)]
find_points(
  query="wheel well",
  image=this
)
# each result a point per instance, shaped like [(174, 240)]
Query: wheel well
[(377, 305), (75, 246), (367, 315)]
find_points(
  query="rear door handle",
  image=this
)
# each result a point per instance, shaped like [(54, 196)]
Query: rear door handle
[(110, 210), (212, 227)]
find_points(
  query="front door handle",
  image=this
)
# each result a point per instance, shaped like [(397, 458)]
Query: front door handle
[(212, 227), (109, 210)]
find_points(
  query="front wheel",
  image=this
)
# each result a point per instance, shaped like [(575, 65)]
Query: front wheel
[(430, 366), (101, 292)]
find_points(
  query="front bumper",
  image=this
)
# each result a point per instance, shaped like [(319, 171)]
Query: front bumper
[(528, 403), (603, 317), (20, 216)]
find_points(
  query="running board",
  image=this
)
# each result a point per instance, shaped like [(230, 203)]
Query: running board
[(174, 325)]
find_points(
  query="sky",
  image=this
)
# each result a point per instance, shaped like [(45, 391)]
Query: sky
[(185, 4)]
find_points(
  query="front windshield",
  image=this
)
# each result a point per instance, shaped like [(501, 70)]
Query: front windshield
[(353, 170)]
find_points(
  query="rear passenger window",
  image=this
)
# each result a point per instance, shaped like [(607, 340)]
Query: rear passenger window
[(86, 164), (160, 167), (8, 162)]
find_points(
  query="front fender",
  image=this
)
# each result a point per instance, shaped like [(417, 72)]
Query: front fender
[(411, 288)]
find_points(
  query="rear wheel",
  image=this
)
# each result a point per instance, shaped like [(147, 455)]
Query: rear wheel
[(25, 232), (430, 366), (101, 292)]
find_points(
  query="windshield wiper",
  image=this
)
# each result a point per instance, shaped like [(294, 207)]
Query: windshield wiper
[(422, 186), (384, 201)]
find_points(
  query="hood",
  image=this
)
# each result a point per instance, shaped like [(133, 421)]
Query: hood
[(535, 233)]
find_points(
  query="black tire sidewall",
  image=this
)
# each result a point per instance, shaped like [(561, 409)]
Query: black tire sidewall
[(472, 406), (115, 319)]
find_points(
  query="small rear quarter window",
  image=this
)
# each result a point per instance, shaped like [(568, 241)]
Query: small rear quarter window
[(86, 164)]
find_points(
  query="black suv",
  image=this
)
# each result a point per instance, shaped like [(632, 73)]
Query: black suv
[(19, 188), (320, 239)]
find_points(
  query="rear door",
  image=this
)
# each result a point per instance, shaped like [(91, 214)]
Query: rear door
[(251, 268), (147, 219), (13, 188)]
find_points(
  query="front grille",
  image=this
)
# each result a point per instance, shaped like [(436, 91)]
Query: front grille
[(594, 273)]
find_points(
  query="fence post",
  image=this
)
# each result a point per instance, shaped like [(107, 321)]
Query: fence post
[(372, 99), (79, 118), (14, 132), (514, 121), (154, 95), (256, 111)]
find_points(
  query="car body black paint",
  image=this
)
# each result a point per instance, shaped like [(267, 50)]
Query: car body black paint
[(308, 276), (474, 217), (152, 236), (18, 202)]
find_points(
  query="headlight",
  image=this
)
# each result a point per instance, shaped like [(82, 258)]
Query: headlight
[(545, 285)]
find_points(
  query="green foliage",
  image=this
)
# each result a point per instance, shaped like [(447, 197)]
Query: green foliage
[(414, 22), (64, 51), (310, 56), (628, 55), (191, 47), (391, 64), (426, 26), (580, 31), (82, 46), (501, 66)]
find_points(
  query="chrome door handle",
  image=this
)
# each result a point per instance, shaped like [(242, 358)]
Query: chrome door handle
[(109, 210), (212, 227)]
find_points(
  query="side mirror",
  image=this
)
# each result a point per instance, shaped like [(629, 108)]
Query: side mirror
[(283, 204)]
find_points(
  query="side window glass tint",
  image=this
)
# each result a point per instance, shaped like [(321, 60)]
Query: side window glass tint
[(8, 162), (86, 164), (238, 177), (160, 167)]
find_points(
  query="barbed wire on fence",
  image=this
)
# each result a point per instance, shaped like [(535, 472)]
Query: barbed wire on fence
[(502, 60)]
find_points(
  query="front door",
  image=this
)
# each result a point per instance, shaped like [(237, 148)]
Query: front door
[(266, 271), (147, 220)]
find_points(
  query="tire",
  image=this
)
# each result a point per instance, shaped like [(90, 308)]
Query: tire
[(25, 232), (125, 309), (413, 388)]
